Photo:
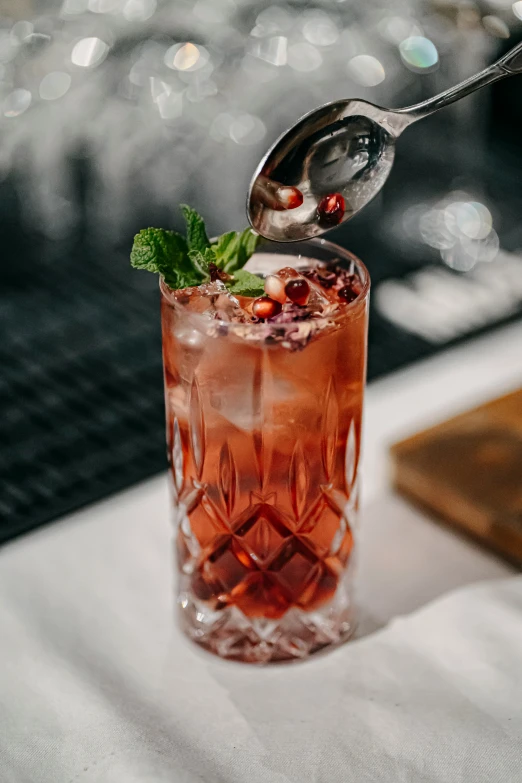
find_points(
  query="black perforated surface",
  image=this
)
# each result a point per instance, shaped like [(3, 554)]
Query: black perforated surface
[(81, 395)]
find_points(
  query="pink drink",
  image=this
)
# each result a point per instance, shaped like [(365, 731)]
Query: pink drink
[(263, 430)]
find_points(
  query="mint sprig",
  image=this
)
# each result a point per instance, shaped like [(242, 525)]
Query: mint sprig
[(232, 250), (196, 232), (186, 262), (165, 253)]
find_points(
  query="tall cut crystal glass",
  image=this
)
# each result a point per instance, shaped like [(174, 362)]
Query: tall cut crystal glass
[(263, 444)]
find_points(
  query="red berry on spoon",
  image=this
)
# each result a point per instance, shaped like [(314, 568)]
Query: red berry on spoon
[(298, 290), (330, 210), (264, 307), (289, 197), (275, 195)]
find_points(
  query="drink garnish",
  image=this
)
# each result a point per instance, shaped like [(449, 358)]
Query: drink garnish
[(264, 307), (245, 284), (194, 260), (331, 209), (298, 291), (275, 195)]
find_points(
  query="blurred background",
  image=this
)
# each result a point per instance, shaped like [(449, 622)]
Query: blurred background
[(114, 111)]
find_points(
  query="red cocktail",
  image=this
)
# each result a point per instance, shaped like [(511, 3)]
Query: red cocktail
[(263, 429)]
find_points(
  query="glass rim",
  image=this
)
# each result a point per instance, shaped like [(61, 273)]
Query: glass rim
[(341, 315)]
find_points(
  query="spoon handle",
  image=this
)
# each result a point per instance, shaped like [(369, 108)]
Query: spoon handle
[(508, 65), (512, 61)]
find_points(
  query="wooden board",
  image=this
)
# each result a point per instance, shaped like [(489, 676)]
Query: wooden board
[(468, 472)]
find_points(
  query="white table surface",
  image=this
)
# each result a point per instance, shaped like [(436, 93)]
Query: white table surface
[(96, 683)]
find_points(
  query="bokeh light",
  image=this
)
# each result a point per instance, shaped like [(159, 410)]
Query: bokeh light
[(320, 29), (74, 7), (17, 102), (89, 52), (139, 10), (468, 218), (496, 26), (240, 127), (273, 20), (247, 129), (366, 70), (20, 31), (396, 29), (461, 229), (272, 50), (465, 255), (186, 57), (419, 54), (169, 102), (304, 57), (54, 85)]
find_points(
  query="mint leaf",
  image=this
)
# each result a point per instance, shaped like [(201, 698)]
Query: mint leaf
[(196, 232), (155, 248), (201, 260), (230, 252), (247, 245), (233, 250), (225, 249), (164, 252), (246, 284), (185, 262)]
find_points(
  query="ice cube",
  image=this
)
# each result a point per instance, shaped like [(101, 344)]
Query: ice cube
[(202, 298), (214, 301), (237, 411), (189, 337), (244, 410), (318, 300), (227, 308)]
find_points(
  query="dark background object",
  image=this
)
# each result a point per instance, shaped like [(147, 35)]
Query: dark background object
[(468, 472)]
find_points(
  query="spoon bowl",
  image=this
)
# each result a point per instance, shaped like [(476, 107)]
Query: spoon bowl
[(341, 154), (345, 147)]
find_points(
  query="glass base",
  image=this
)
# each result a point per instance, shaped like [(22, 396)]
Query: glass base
[(229, 634)]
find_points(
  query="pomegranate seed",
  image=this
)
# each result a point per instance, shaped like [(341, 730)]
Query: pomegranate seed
[(298, 291), (275, 288), (347, 294), (275, 195), (330, 210), (289, 197), (275, 284), (264, 307)]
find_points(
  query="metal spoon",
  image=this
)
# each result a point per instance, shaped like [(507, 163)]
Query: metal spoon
[(346, 147)]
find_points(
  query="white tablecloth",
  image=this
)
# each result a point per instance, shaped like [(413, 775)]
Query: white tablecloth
[(96, 683)]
